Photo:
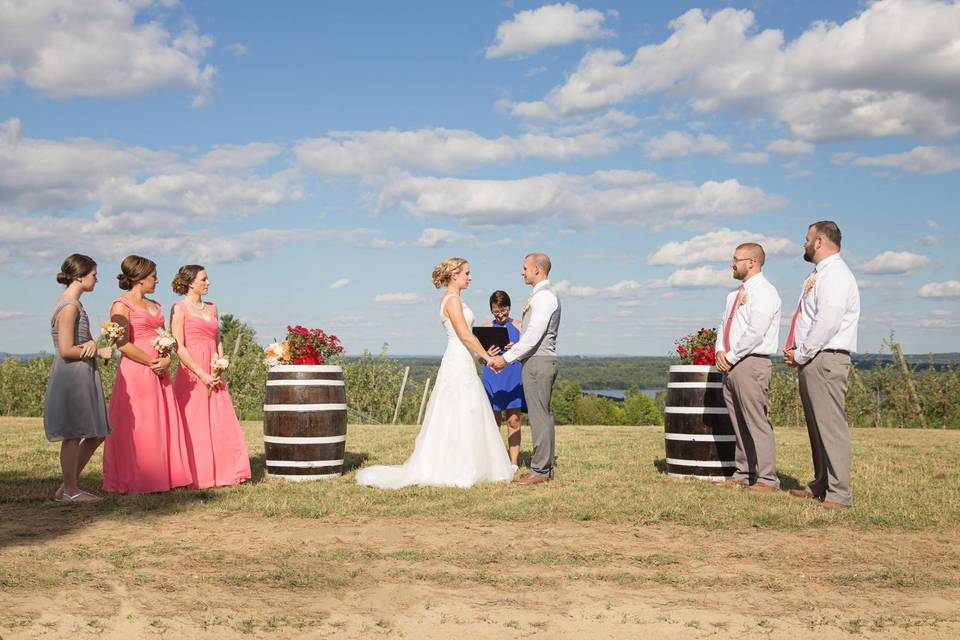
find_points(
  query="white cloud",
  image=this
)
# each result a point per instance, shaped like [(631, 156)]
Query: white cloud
[(398, 298), (238, 49), (566, 289), (550, 25), (697, 278), (749, 157), (363, 153), (237, 157), (678, 144), (99, 48), (790, 147), (894, 262), (432, 238), (339, 283), (799, 175), (6, 315), (925, 160), (933, 224), (718, 246), (604, 197), (948, 289), (893, 69)]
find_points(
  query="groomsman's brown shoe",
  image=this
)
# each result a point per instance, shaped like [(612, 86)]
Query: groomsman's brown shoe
[(830, 504), (801, 493), (528, 479), (761, 488)]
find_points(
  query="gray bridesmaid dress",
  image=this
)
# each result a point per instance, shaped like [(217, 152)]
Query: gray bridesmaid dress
[(74, 406)]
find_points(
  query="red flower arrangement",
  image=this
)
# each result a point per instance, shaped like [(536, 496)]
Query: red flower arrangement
[(303, 346), (698, 348)]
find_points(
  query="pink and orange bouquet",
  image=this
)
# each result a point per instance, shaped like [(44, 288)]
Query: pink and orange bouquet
[(218, 364), (303, 346), (698, 348), (111, 332)]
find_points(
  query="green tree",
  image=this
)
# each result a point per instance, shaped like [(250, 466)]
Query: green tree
[(640, 409)]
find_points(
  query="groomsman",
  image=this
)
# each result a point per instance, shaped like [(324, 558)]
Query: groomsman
[(749, 335), (822, 335)]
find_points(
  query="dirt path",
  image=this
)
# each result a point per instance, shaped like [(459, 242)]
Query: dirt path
[(224, 575)]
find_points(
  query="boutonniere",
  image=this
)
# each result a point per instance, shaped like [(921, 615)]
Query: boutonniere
[(526, 308), (742, 299), (810, 282)]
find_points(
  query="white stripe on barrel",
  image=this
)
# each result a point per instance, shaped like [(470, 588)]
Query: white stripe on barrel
[(305, 477), (701, 463), (305, 407), (697, 410), (304, 383), (304, 440), (710, 478), (304, 464), (690, 385), (306, 368), (699, 437)]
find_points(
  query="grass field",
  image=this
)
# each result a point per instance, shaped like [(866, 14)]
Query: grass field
[(613, 548)]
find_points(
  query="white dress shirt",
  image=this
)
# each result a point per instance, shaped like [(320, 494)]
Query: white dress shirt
[(543, 303), (755, 327), (829, 311)]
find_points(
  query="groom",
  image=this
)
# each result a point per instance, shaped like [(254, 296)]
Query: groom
[(537, 349)]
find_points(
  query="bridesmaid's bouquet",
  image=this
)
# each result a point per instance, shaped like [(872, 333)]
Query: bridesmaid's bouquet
[(303, 346), (111, 332), (164, 343), (218, 365), (698, 348)]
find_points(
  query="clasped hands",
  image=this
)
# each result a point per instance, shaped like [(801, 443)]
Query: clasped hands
[(496, 362)]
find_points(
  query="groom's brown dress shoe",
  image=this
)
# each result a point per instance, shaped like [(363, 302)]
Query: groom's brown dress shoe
[(531, 479), (801, 493), (830, 504)]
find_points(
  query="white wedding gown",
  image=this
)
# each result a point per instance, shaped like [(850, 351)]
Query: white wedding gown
[(459, 443)]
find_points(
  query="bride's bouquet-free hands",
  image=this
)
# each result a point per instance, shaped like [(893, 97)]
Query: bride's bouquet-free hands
[(164, 344), (218, 365)]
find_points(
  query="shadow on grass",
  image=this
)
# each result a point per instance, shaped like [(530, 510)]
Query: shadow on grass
[(787, 482)]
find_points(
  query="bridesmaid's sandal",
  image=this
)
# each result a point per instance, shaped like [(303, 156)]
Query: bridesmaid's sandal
[(58, 494), (80, 497)]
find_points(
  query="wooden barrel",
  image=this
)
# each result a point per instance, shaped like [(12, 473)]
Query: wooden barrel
[(700, 440), (305, 422)]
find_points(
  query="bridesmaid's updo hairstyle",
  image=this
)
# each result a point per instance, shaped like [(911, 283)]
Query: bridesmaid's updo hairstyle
[(75, 267), (185, 277), (133, 269), (444, 272)]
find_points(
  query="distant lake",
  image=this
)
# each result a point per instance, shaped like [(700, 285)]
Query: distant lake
[(618, 394)]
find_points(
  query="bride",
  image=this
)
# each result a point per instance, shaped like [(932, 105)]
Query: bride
[(459, 443)]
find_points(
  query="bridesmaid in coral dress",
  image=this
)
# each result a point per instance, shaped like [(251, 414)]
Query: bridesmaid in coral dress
[(217, 450), (147, 450)]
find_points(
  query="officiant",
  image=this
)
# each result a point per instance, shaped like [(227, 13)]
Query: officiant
[(505, 389)]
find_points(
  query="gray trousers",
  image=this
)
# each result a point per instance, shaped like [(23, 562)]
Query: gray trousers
[(538, 375), (823, 392), (745, 390)]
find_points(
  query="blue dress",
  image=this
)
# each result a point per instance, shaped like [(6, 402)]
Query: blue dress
[(505, 389)]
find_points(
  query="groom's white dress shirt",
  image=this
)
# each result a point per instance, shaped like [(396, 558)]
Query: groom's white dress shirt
[(755, 327), (543, 303), (829, 311)]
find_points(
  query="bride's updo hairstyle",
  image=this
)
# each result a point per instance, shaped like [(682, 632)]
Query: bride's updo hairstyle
[(444, 272), (133, 269), (75, 267), (185, 277)]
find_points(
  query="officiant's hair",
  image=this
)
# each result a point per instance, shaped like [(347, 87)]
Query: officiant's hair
[(133, 269), (76, 266), (185, 277), (755, 250), (500, 298), (542, 260), (444, 272)]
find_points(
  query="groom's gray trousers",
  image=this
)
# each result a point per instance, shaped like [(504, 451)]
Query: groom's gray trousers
[(538, 375)]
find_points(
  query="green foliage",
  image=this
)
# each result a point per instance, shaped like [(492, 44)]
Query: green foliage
[(247, 376), (373, 384), (640, 409)]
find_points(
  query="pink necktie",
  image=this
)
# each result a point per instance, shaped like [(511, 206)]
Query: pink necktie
[(726, 326), (792, 335)]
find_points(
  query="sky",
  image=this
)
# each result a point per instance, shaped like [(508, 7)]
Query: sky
[(320, 158)]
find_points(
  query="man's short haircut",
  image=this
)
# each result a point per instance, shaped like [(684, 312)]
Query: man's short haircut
[(754, 250), (829, 230), (542, 260)]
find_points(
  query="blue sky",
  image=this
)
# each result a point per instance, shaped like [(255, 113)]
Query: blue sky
[(319, 158)]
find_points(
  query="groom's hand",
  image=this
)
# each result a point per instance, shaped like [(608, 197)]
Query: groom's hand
[(498, 363)]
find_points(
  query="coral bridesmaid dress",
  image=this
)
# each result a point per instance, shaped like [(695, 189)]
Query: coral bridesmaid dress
[(147, 451), (217, 450)]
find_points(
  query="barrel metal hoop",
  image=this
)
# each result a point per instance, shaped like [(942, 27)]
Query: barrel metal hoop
[(701, 463), (304, 463), (699, 437), (306, 368), (305, 477), (690, 385), (304, 439), (697, 410), (304, 383), (684, 476), (305, 407), (694, 368)]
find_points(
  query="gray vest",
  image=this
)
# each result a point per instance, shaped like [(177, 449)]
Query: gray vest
[(548, 343)]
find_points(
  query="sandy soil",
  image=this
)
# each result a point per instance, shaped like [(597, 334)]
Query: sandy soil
[(225, 575)]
